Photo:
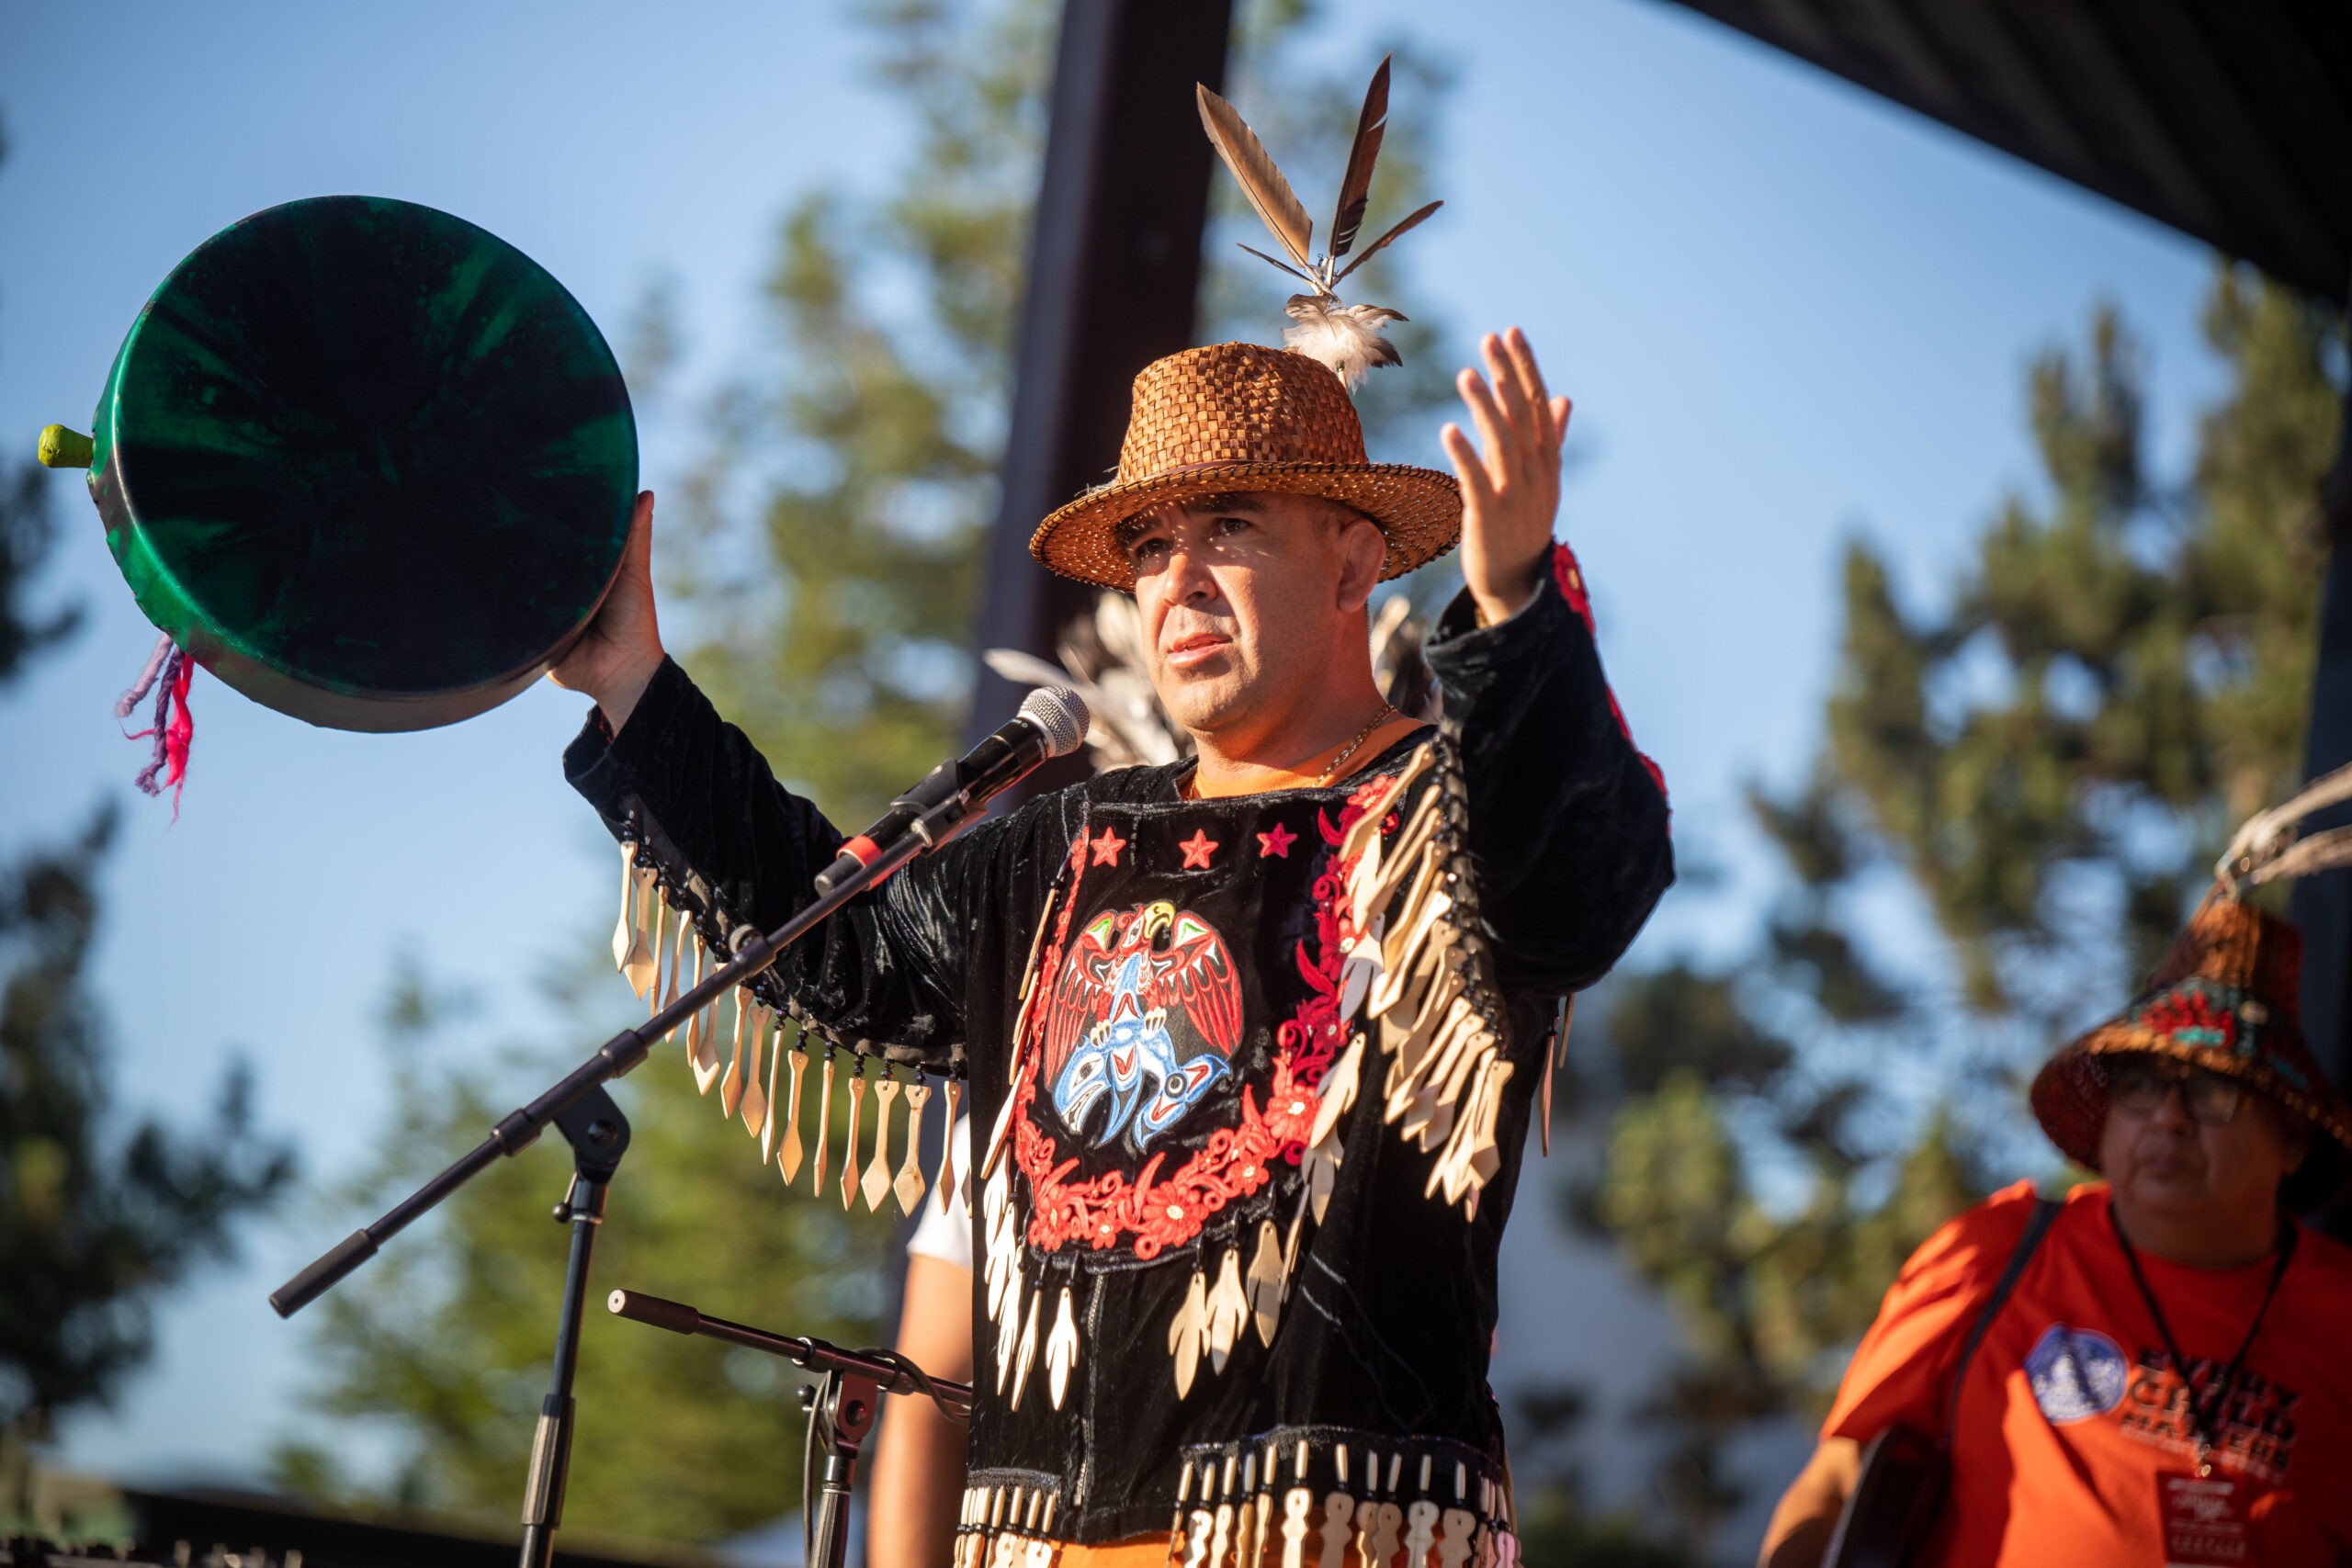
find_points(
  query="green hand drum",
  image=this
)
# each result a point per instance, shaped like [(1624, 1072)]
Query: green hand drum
[(368, 464)]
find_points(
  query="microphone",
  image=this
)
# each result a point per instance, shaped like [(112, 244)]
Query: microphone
[(1052, 723)]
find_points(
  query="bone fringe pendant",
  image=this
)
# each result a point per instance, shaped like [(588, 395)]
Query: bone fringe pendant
[(1000, 1134), (1228, 1308), (788, 1159), (1253, 1515), (774, 1106), (730, 1088), (1196, 1551), (1003, 1280), (877, 1173), (824, 1123), (1386, 1517), (1008, 1324), (1265, 1284), (674, 986), (756, 1098), (1454, 1546), (700, 1047), (995, 1214), (1188, 1330), (1421, 1532), (627, 928), (1360, 971), (1029, 985), (1441, 1006), (1337, 1091), (1028, 1351), (1557, 1057), (653, 953), (1416, 1096), (1338, 1514), (1061, 1350), (910, 1183), (849, 1162), (1298, 1503), (1472, 1157), (640, 965), (1221, 1532), (1176, 1526), (945, 1179), (1422, 760)]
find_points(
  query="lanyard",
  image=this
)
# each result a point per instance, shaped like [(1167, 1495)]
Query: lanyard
[(2202, 1411)]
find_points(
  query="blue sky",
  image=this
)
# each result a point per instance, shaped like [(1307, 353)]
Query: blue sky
[(1788, 314)]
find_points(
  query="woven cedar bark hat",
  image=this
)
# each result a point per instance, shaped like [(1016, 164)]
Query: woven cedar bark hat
[(1237, 416), (2224, 1000)]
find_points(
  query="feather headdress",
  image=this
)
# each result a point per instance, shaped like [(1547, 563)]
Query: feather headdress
[(1345, 337)]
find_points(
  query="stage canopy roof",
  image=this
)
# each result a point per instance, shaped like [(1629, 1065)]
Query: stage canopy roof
[(2229, 120)]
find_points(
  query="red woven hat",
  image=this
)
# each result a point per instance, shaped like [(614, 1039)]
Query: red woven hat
[(2224, 1000)]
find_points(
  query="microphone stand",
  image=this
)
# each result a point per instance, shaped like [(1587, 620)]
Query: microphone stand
[(579, 1108), (840, 1408)]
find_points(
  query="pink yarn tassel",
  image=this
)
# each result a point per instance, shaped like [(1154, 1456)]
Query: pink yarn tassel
[(174, 729)]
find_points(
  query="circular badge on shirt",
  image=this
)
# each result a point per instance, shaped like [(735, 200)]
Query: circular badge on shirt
[(2075, 1374)]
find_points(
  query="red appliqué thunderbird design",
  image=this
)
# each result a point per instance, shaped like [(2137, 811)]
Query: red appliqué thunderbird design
[(1109, 1054)]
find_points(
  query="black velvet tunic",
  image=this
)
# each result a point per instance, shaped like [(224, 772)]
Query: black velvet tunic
[(1155, 1140)]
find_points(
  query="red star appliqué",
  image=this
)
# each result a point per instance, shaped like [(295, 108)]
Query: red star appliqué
[(1106, 848), (1197, 849), (1277, 843)]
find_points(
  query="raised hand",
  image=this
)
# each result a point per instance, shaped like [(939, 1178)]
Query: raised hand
[(1510, 492), (615, 658)]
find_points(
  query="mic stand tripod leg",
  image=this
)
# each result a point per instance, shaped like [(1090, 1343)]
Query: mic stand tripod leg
[(598, 1133), (843, 1409)]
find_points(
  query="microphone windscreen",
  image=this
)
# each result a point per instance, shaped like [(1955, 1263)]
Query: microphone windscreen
[(1060, 713)]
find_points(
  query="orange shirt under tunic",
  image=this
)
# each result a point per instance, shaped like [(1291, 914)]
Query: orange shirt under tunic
[(2071, 1408)]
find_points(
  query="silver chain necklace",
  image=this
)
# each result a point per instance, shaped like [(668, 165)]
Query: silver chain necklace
[(1332, 769)]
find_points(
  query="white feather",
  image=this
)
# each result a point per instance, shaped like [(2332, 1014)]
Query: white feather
[(1345, 337)]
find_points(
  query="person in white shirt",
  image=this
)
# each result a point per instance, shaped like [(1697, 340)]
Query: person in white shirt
[(918, 1478)]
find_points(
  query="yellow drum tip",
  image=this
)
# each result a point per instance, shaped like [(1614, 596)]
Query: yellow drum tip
[(64, 449)]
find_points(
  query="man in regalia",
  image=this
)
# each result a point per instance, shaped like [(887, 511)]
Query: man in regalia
[(1253, 1041)]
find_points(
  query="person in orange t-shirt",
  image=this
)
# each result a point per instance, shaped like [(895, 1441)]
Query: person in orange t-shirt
[(2166, 1383)]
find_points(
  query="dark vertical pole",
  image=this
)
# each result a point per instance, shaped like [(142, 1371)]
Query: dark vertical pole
[(2322, 904), (1114, 264)]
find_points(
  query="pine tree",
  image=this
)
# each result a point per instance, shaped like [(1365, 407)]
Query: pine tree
[(2043, 765), (97, 1222)]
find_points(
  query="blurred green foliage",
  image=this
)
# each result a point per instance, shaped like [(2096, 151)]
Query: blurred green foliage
[(97, 1220), (442, 1345), (2025, 779)]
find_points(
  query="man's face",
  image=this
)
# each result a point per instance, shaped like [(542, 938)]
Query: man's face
[(2174, 1157), (1246, 600)]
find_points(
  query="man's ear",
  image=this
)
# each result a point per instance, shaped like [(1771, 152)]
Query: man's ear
[(1364, 550)]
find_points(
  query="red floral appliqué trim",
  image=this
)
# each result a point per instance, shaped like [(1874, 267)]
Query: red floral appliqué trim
[(1570, 576), (1236, 1161), (2194, 1018)]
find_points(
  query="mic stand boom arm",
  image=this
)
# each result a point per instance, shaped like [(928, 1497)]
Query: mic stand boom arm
[(518, 1130), (840, 1408), (599, 1135)]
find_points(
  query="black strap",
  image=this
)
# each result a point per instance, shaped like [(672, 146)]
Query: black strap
[(2204, 1409), (2037, 1225)]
